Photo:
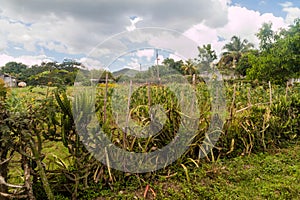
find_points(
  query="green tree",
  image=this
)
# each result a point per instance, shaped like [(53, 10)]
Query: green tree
[(243, 65), (281, 61), (189, 67), (266, 36), (176, 65), (15, 69), (206, 55), (233, 52)]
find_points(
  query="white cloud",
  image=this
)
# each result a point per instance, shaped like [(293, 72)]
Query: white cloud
[(246, 23), (80, 25), (91, 63), (133, 22), (292, 14), (286, 4), (28, 60), (133, 64), (242, 22), (148, 53), (175, 57), (202, 34), (76, 27)]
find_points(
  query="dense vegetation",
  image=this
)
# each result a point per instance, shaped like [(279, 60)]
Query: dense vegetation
[(43, 155), (30, 129)]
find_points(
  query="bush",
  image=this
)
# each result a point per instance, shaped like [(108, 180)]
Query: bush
[(3, 90)]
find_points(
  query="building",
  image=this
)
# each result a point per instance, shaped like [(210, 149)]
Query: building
[(10, 81)]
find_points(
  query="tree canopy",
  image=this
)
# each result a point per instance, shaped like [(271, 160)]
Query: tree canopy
[(279, 60), (234, 50)]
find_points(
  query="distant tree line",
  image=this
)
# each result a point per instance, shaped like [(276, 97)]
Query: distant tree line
[(47, 73), (277, 59)]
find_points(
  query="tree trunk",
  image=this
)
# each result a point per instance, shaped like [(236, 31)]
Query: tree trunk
[(3, 173), (27, 181)]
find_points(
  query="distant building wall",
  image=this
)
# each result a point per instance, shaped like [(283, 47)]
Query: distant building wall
[(294, 80), (9, 80)]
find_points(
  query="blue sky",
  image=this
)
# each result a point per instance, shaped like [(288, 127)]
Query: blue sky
[(266, 6), (101, 32)]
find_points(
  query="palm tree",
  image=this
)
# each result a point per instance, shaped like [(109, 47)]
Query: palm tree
[(234, 50), (189, 67)]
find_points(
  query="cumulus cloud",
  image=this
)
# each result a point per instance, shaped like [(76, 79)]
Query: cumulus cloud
[(91, 63), (292, 12), (86, 27), (133, 21), (242, 22), (148, 53), (76, 22), (28, 60)]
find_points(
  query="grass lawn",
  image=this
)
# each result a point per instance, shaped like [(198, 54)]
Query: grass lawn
[(274, 175)]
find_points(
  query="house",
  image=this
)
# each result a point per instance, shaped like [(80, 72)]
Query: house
[(292, 81), (10, 81)]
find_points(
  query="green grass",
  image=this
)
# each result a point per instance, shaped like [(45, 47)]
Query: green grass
[(273, 175)]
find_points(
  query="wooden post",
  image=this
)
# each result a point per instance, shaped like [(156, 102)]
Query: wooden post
[(127, 116), (149, 95), (194, 79), (249, 97), (233, 101), (157, 67), (105, 97)]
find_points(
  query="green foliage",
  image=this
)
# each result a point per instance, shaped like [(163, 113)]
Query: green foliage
[(234, 50), (3, 90), (253, 124), (259, 176), (278, 61), (189, 68), (50, 73), (139, 111), (266, 36), (206, 55), (237, 46), (81, 170), (14, 68), (176, 65), (243, 65)]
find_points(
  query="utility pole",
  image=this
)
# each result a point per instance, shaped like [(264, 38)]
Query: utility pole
[(157, 67)]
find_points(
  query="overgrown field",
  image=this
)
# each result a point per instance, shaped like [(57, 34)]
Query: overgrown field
[(44, 155)]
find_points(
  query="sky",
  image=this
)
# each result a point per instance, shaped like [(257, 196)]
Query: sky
[(114, 34)]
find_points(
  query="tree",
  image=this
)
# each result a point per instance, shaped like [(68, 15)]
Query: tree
[(281, 60), (243, 65), (234, 50), (52, 72), (266, 36), (15, 69), (176, 65), (189, 67), (205, 57)]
